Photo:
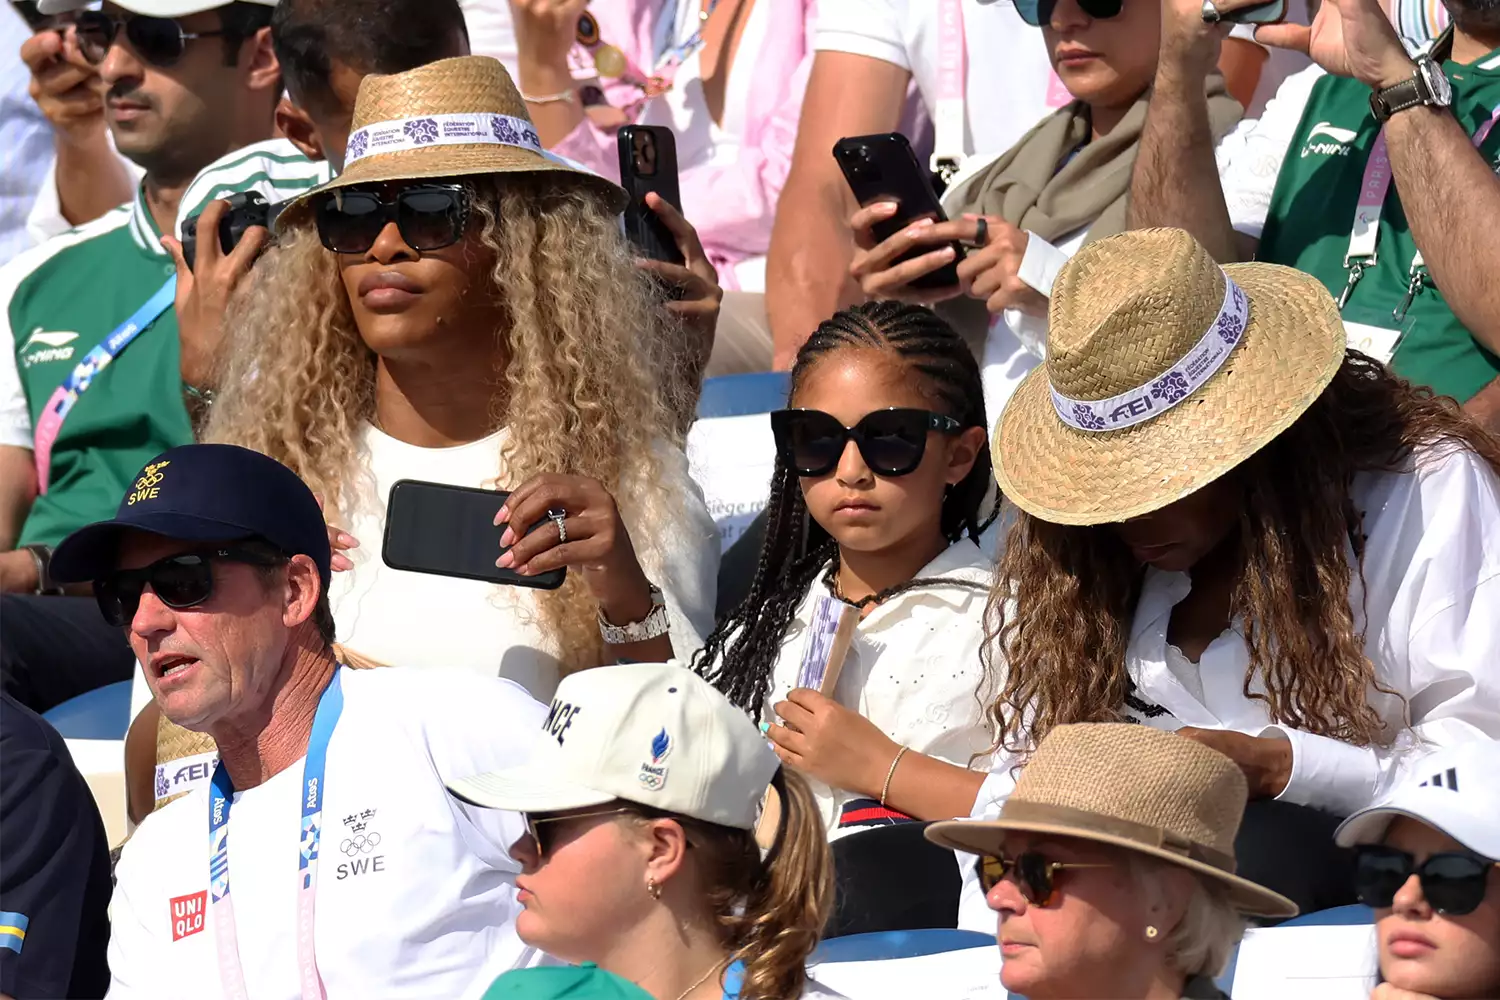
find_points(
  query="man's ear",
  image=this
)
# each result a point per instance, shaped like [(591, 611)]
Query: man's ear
[(264, 69), (303, 588), (297, 126)]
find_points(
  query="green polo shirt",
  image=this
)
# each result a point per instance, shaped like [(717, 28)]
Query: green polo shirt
[(1312, 211), (59, 300)]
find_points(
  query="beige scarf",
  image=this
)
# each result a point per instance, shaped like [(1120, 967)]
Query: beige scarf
[(1026, 188)]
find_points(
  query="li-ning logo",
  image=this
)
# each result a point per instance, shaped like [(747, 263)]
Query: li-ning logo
[(1446, 779), (653, 772), (47, 345), (1341, 137), (148, 487)]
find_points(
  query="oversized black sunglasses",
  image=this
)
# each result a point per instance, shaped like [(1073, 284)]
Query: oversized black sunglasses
[(179, 581), (1453, 882), (1035, 875), (429, 217), (158, 40), (1039, 12), (891, 441)]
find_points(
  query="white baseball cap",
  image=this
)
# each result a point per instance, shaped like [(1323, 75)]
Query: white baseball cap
[(1454, 790), (150, 8), (652, 733)]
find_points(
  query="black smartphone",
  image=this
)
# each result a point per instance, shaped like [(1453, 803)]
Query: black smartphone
[(648, 162), (884, 168), (1264, 13), (246, 209), (450, 531)]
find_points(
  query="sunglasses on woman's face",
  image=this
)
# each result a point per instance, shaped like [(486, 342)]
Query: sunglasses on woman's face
[(891, 441), (1039, 12), (1453, 882), (1034, 874), (180, 581), (428, 216), (160, 41), (536, 824)]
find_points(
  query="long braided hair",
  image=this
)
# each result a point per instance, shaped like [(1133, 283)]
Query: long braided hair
[(739, 656)]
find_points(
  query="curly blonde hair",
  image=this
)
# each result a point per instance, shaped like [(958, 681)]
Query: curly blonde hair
[(590, 386)]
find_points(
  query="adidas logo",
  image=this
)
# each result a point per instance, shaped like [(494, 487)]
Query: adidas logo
[(1338, 146), (1447, 779)]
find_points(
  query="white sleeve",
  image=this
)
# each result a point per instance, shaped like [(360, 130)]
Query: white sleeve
[(681, 556), (46, 220), (15, 414), (475, 724), (1250, 157), (974, 914), (863, 28)]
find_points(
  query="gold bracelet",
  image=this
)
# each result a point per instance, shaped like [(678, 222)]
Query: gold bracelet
[(561, 97), (891, 774)]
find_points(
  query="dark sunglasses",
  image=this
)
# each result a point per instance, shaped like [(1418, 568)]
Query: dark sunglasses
[(535, 825), (1034, 874), (1453, 882), (891, 441), (429, 217), (1039, 12), (158, 40), (179, 581)]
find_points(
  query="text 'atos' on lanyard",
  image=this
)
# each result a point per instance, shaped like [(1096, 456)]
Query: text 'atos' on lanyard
[(1373, 188), (314, 791), (64, 397)]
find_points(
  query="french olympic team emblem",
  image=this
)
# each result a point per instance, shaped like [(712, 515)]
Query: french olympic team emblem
[(653, 772)]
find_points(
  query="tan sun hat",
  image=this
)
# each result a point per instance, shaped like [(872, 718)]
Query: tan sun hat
[(1164, 371), (1135, 787), (450, 118)]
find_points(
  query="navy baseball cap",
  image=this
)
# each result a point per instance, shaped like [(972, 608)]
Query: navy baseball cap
[(203, 493)]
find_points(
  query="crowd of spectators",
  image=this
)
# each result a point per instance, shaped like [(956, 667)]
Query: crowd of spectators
[(1128, 573)]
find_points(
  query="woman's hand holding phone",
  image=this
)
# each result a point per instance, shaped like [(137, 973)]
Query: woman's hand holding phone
[(597, 543), (992, 272), (695, 281)]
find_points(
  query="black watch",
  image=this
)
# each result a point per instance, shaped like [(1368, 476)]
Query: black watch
[(1427, 86)]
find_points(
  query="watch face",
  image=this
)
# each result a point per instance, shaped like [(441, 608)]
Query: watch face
[(1437, 83)]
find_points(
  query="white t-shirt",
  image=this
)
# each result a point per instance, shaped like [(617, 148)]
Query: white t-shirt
[(492, 31), (422, 620), (913, 668), (415, 890), (1009, 77)]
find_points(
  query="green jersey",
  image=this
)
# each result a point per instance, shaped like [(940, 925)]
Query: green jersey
[(61, 299), (1312, 213)]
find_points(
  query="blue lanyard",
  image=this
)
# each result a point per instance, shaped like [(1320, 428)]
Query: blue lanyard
[(220, 798)]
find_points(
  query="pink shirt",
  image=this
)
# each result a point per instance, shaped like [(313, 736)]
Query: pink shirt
[(731, 173)]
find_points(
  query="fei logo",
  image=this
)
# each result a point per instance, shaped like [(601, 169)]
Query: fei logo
[(653, 772), (187, 914)]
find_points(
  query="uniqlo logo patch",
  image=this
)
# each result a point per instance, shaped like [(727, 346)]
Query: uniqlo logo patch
[(187, 914)]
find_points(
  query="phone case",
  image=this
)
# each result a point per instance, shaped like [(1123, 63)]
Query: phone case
[(504, 577), (884, 167), (648, 163)]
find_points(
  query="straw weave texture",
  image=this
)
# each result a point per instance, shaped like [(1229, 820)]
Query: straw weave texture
[(462, 85), (1123, 312)]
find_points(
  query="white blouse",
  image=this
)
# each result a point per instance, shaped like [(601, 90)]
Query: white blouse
[(913, 668)]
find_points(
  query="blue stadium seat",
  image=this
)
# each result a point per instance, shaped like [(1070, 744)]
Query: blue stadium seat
[(100, 714), (738, 395), (883, 945), (1338, 915)]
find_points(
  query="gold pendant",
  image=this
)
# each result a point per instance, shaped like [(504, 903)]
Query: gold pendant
[(609, 61)]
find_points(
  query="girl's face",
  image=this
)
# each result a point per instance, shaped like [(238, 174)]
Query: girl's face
[(587, 889), (1444, 956), (406, 301), (1176, 537), (1107, 62), (1089, 939), (863, 511)]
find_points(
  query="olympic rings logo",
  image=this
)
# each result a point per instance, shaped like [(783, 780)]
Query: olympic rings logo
[(360, 844)]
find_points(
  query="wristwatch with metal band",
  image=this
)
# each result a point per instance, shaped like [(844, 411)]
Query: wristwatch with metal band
[(655, 623), (1427, 86), (42, 556)]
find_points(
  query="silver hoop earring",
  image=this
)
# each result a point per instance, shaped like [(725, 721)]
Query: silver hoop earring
[(655, 890)]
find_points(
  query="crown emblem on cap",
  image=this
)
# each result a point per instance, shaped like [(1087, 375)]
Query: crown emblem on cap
[(148, 486)]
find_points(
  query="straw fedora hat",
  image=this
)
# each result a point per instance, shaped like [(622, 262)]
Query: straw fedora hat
[(1135, 787), (450, 118), (1164, 371)]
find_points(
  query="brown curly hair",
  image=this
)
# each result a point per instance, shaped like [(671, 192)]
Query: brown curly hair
[(580, 394), (1061, 609)]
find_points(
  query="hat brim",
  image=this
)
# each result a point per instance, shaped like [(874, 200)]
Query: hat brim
[(93, 551), (1291, 349), (1369, 826), (150, 8), (451, 161), (988, 837), (527, 789)]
